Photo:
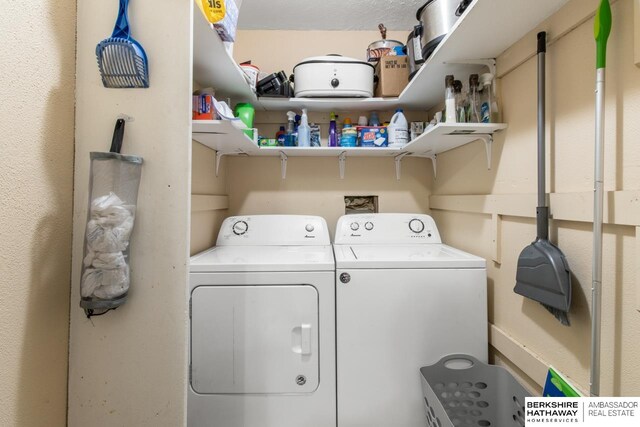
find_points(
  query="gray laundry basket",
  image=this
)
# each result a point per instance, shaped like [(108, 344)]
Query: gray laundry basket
[(459, 390)]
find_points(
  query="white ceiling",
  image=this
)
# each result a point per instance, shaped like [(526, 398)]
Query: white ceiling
[(328, 14)]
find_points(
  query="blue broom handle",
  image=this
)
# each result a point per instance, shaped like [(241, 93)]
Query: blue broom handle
[(121, 29)]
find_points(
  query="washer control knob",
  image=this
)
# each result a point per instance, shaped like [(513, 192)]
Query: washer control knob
[(416, 225), (309, 228), (355, 226), (335, 82), (368, 226), (240, 227)]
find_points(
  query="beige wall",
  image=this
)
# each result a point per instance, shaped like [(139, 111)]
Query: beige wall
[(204, 182), (129, 366), (313, 185), (36, 177), (570, 142)]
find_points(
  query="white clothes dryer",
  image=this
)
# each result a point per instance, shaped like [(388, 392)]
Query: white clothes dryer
[(403, 300), (262, 310)]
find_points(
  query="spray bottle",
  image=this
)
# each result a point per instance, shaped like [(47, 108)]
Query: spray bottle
[(290, 138), (333, 135), (304, 131)]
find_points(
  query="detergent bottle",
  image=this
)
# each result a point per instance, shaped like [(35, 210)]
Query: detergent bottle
[(398, 130), (304, 130)]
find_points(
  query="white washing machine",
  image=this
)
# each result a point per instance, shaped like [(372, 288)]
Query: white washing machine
[(262, 345), (403, 300)]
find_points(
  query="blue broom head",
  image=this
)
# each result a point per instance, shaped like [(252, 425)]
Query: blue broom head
[(122, 63)]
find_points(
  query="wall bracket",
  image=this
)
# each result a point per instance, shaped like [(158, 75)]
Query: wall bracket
[(342, 163), (488, 145), (283, 165), (219, 155), (398, 160)]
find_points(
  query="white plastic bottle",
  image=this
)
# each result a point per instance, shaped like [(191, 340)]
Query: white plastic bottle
[(398, 130), (304, 130)]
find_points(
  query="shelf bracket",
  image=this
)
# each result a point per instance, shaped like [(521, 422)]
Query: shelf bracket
[(488, 144), (398, 160), (342, 163), (283, 165), (219, 155), (434, 163)]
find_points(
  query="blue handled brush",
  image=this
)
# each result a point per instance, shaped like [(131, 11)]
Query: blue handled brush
[(121, 59)]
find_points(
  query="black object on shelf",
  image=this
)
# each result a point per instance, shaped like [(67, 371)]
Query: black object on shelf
[(275, 85)]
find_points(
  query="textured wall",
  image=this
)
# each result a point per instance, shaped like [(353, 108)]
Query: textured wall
[(36, 178), (570, 142), (129, 367)]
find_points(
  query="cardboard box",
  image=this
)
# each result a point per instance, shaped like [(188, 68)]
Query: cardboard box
[(393, 75)]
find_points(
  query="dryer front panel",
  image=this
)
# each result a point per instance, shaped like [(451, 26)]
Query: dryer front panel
[(254, 339)]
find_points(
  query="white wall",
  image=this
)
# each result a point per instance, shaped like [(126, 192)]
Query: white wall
[(129, 367), (36, 177), (570, 142)]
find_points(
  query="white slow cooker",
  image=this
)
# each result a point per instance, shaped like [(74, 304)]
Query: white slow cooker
[(333, 76)]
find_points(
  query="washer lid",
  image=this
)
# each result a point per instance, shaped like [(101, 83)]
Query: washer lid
[(404, 256), (263, 258)]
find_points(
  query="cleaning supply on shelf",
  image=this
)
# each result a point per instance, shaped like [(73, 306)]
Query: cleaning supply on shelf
[(373, 136), (315, 135), (461, 116), (373, 119), (223, 17), (245, 112), (488, 106), (398, 130), (333, 133), (416, 129), (280, 136), (349, 135), (362, 121), (304, 131), (449, 100), (473, 100), (290, 138)]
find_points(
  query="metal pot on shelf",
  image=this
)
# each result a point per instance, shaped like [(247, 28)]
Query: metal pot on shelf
[(380, 48), (437, 18)]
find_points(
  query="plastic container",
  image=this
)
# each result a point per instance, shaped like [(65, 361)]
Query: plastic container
[(280, 136), (398, 130), (290, 138), (113, 194), (373, 119), (245, 112), (349, 135), (449, 100), (459, 390), (304, 131), (333, 132), (488, 104)]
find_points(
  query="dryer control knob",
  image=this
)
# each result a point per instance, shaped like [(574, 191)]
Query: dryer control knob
[(345, 277), (309, 227), (368, 226), (355, 226), (240, 227), (416, 225)]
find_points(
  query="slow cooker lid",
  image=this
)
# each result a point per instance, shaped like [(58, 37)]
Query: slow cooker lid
[(332, 59)]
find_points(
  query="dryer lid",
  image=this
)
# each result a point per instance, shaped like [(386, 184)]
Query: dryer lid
[(263, 258), (404, 256)]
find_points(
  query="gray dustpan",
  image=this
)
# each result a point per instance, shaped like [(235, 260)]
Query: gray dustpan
[(543, 273)]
